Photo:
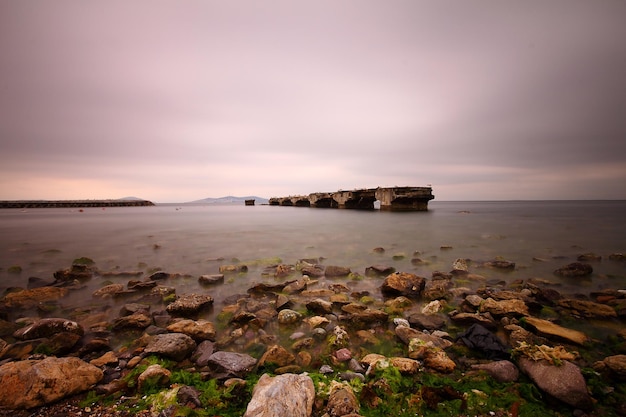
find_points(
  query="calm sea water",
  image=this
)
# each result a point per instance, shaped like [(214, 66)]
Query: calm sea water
[(538, 236)]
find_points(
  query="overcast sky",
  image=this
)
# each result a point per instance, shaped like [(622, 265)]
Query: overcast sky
[(175, 101)]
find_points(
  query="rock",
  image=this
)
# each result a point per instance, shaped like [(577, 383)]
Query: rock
[(551, 330), (288, 316), (77, 272), (587, 309), (134, 321), (203, 352), (319, 306), (403, 283), (405, 366), (439, 361), (108, 291), (283, 395), (317, 321), (154, 375), (159, 276), (189, 305), (284, 270), (296, 286), (278, 356), (108, 358), (225, 269), (132, 308), (336, 271), (564, 382), (312, 270), (433, 307), (500, 264), (198, 330), (502, 371), (589, 257), (48, 327), (343, 355), (176, 346), (408, 334), (460, 266), (576, 269), (468, 319), (31, 298), (190, 397), (231, 364), (366, 316), (437, 289), (35, 282), (426, 321), (32, 383), (613, 365), (341, 400), (508, 308), (379, 270), (211, 279)]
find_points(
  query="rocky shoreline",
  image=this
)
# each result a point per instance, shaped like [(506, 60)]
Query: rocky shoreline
[(304, 343)]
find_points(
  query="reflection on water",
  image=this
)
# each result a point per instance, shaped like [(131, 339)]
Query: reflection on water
[(194, 240)]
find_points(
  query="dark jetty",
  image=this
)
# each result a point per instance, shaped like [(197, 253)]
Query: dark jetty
[(21, 204)]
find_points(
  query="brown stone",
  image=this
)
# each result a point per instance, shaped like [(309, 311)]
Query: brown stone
[(32, 383)]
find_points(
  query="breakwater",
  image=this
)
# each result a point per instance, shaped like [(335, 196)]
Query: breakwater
[(390, 198), (73, 203)]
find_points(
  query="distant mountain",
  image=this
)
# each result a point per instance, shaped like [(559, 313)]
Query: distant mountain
[(231, 200), (131, 199)]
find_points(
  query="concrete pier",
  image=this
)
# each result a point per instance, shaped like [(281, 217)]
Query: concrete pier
[(390, 198)]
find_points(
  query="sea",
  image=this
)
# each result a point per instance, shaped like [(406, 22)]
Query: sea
[(194, 240)]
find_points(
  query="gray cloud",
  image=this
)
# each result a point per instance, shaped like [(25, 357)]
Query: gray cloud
[(179, 101)]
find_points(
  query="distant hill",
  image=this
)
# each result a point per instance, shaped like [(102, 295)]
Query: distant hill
[(131, 199), (230, 200)]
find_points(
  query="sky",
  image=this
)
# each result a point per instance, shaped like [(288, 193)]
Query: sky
[(175, 101)]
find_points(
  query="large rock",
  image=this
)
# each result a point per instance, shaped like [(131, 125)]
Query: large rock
[(403, 283), (550, 330), (32, 383), (175, 346), (283, 395), (564, 382), (189, 305)]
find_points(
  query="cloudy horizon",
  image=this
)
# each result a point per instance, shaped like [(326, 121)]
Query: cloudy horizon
[(180, 101)]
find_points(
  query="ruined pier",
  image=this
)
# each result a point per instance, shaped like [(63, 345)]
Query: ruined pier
[(390, 198)]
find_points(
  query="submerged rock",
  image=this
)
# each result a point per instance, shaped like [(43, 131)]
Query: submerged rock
[(576, 269), (283, 395), (48, 327), (587, 309), (32, 383), (31, 298)]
